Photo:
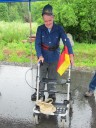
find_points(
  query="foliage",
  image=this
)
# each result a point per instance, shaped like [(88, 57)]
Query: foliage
[(3, 12), (78, 17), (13, 13), (86, 13)]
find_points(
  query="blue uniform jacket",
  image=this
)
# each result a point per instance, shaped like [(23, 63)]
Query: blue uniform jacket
[(50, 39)]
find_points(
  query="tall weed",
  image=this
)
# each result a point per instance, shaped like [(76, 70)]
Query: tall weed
[(15, 31)]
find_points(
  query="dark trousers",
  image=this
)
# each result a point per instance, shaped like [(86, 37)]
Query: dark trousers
[(92, 84), (48, 70)]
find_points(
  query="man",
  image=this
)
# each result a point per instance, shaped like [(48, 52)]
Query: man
[(92, 87), (47, 48)]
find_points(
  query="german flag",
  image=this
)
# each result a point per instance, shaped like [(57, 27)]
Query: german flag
[(64, 61)]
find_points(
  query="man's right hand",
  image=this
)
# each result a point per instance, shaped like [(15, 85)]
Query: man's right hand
[(41, 59)]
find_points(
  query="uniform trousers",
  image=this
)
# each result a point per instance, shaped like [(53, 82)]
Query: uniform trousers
[(48, 70), (92, 84)]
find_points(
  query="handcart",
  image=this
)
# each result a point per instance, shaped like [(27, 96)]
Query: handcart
[(62, 108)]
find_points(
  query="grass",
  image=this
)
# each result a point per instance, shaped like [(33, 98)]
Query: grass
[(14, 46), (15, 31), (18, 52), (84, 54)]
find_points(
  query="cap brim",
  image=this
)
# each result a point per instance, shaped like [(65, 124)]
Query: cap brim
[(49, 14)]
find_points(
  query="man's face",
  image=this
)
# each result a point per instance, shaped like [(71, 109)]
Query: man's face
[(48, 21)]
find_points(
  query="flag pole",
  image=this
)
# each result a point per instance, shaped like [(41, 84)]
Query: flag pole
[(30, 22), (30, 18)]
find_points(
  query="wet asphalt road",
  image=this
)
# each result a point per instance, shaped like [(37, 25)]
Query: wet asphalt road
[(16, 105)]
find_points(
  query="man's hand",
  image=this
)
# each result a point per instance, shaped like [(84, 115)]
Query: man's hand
[(41, 59)]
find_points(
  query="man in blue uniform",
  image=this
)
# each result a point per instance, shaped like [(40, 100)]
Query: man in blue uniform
[(47, 48)]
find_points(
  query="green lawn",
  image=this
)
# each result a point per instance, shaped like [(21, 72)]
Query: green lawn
[(84, 54), (15, 48)]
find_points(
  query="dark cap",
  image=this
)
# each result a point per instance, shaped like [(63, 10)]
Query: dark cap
[(47, 10)]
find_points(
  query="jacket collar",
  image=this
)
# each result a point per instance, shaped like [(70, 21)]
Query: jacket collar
[(52, 30)]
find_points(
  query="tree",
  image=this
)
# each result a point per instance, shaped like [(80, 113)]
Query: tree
[(86, 13), (3, 12)]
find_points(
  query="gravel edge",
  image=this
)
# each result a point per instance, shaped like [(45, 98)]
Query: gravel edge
[(84, 69)]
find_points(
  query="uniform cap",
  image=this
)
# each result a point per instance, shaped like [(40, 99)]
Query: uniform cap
[(47, 10)]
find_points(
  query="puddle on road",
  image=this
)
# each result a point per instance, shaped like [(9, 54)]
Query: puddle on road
[(16, 105)]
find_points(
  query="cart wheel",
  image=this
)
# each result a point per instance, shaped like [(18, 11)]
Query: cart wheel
[(61, 122), (71, 104), (36, 118), (47, 116), (71, 101)]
